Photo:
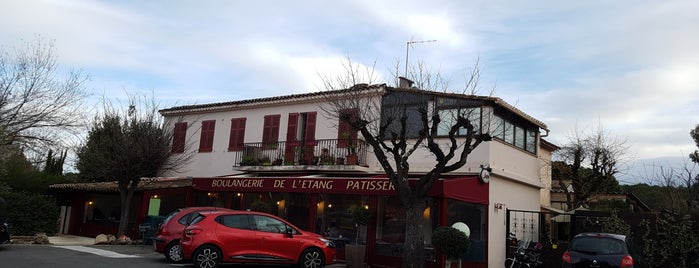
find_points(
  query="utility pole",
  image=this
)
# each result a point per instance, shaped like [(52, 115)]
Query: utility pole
[(407, 49)]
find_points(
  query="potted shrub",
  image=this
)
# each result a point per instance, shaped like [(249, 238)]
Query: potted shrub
[(351, 157), (451, 242), (355, 253)]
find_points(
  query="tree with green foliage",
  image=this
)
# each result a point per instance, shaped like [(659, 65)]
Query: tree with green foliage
[(54, 163), (587, 165), (671, 240), (126, 146)]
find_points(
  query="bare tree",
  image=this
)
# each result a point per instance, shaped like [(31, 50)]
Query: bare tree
[(396, 123), (37, 102), (126, 146), (592, 161)]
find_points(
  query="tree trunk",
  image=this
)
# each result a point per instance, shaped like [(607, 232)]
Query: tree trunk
[(414, 248), (126, 194)]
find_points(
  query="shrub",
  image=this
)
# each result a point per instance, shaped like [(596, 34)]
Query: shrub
[(31, 213), (450, 241)]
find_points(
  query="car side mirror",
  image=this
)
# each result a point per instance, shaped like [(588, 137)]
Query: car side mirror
[(289, 231)]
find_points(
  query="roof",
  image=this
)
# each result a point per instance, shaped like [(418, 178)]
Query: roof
[(316, 96), (112, 186)]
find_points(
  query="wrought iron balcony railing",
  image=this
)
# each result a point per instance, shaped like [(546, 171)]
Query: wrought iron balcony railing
[(316, 152)]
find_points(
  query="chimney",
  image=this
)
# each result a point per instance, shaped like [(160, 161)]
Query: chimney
[(404, 82)]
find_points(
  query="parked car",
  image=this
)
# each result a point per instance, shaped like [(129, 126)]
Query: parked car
[(167, 240), (252, 237), (598, 250), (4, 226)]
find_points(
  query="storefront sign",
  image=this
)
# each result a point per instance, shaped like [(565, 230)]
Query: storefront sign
[(373, 186)]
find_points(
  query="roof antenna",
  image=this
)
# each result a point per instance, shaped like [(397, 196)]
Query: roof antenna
[(407, 49)]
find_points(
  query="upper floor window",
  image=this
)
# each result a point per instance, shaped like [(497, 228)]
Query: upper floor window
[(449, 118), (206, 142), (270, 131), (514, 133), (237, 137), (178, 137)]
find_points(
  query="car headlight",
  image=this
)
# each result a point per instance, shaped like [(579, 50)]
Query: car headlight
[(328, 243)]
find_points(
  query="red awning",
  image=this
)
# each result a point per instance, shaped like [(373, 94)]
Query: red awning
[(463, 188)]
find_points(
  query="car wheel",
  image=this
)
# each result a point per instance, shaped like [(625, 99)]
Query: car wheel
[(207, 256), (311, 258), (173, 252)]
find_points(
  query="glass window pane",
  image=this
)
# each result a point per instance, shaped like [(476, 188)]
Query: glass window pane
[(531, 141), (519, 137), (509, 133), (447, 120)]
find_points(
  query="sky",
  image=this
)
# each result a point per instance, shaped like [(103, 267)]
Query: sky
[(629, 67)]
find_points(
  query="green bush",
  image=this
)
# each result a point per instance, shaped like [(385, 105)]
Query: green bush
[(31, 213), (450, 241)]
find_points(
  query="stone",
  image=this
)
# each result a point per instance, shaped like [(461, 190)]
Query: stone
[(111, 239), (41, 238), (101, 239)]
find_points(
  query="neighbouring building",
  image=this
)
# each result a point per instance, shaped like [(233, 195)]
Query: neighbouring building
[(284, 154)]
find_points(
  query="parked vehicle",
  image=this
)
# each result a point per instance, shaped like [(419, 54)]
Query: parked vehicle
[(167, 240), (526, 255), (219, 237), (4, 226), (598, 250)]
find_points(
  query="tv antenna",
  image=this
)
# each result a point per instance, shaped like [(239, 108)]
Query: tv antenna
[(407, 49)]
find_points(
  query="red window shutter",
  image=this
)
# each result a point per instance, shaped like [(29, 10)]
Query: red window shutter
[(292, 127), (235, 141), (310, 128), (178, 137), (206, 142), (270, 132), (344, 130)]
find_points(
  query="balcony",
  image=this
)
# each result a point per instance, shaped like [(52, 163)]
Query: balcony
[(323, 154)]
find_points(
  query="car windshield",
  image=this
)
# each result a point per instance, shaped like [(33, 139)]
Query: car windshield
[(598, 245)]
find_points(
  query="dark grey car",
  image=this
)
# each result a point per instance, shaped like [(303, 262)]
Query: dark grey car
[(599, 250)]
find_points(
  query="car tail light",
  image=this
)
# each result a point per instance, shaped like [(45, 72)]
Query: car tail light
[(627, 261), (566, 257)]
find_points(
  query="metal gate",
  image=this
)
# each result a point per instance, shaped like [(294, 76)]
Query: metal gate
[(551, 229)]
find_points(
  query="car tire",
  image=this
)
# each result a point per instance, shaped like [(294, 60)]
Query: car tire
[(207, 256), (173, 252), (311, 258)]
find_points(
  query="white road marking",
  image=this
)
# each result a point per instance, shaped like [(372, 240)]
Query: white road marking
[(96, 251)]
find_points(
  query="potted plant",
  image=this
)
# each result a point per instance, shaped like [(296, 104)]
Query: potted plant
[(355, 253), (451, 242), (351, 158)]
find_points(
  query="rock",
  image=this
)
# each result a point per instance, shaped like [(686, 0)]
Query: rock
[(111, 239), (41, 238), (101, 239), (123, 240)]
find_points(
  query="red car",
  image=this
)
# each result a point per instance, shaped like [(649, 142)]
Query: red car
[(252, 237), (169, 233)]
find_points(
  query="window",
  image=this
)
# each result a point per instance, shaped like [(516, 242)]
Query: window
[(345, 132), (179, 137), (206, 143), (269, 225), (531, 141), (270, 131), (237, 137), (518, 135), (449, 118), (235, 221)]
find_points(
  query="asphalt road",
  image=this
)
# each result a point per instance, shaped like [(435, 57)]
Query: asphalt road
[(19, 256), (97, 256)]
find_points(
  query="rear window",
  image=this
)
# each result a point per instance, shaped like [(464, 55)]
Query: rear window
[(169, 216), (197, 217), (598, 245)]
